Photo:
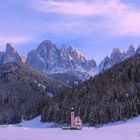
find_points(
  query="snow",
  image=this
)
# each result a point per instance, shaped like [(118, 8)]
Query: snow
[(94, 71), (50, 94), (36, 123), (40, 85), (33, 130), (41, 58)]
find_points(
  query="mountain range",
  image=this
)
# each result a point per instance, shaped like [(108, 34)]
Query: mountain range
[(28, 85), (66, 62)]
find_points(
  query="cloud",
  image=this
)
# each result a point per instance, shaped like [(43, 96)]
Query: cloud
[(129, 23), (64, 7), (14, 40), (81, 8), (118, 18), (71, 8)]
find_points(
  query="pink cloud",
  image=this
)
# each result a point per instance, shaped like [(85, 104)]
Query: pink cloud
[(97, 7), (13, 40), (74, 8), (118, 18)]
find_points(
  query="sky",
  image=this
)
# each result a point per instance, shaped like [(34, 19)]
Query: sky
[(94, 27)]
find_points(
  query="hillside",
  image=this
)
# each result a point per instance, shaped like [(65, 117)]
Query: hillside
[(23, 91), (67, 77), (108, 97)]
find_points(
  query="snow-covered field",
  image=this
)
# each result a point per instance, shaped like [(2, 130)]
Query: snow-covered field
[(35, 130)]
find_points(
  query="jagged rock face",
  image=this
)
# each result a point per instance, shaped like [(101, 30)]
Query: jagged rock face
[(48, 58), (130, 52), (68, 54), (48, 52), (1, 57), (115, 57), (105, 64), (35, 59), (10, 55), (138, 50), (44, 57), (89, 64)]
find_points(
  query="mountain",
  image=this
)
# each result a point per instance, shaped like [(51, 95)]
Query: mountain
[(110, 96), (116, 57), (48, 58), (11, 55), (66, 61), (22, 91), (131, 52), (62, 62)]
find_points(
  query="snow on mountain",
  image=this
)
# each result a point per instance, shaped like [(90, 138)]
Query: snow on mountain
[(52, 60), (116, 57), (36, 130), (48, 58)]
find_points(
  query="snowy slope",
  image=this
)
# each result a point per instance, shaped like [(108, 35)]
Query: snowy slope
[(123, 131), (36, 123)]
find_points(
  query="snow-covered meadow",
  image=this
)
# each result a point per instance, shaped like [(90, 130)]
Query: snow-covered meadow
[(35, 130)]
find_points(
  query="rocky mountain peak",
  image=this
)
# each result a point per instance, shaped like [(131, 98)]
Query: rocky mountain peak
[(104, 64), (72, 53), (66, 47), (130, 52), (92, 62), (11, 54), (46, 45), (115, 52), (131, 48), (48, 58), (67, 59), (9, 48), (116, 56)]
